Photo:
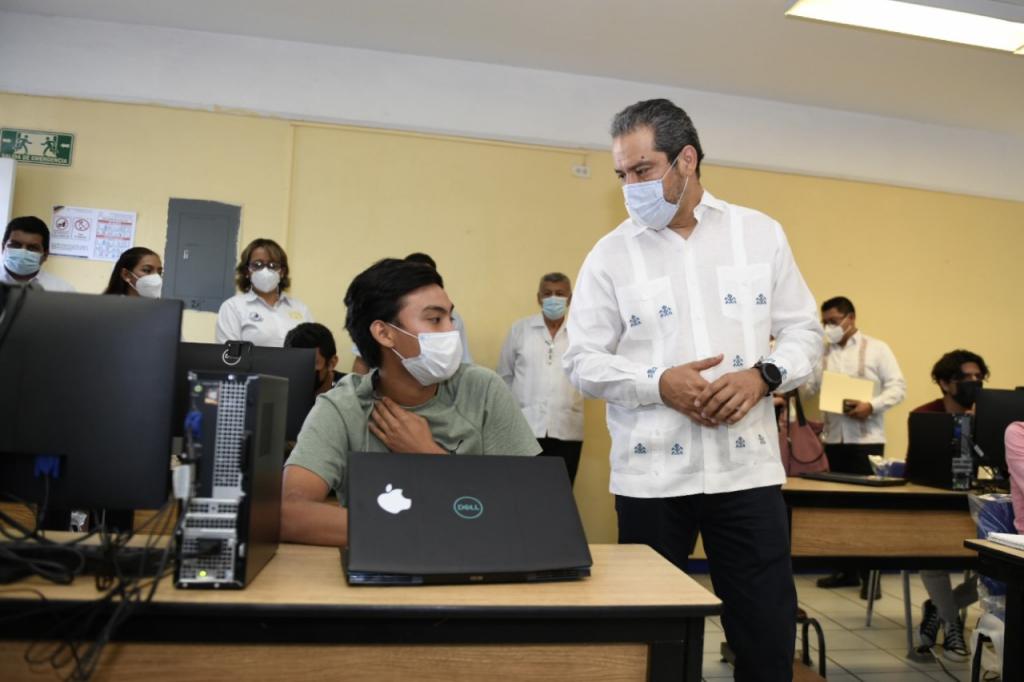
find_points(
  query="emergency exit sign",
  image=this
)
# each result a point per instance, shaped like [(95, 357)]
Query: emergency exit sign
[(43, 147)]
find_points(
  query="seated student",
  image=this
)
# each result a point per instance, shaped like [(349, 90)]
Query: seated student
[(262, 313), (959, 374), (25, 248), (360, 367), (316, 335), (417, 399), (138, 272)]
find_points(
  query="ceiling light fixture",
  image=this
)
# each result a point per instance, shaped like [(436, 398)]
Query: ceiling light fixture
[(994, 24)]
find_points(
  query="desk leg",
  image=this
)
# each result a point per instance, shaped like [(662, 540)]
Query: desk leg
[(674, 661), (908, 616), (1013, 657)]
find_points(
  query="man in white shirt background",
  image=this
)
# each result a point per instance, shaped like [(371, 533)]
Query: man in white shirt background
[(672, 315), (25, 248), (531, 365), (860, 431)]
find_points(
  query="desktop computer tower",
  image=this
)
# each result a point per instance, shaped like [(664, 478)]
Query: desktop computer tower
[(232, 520)]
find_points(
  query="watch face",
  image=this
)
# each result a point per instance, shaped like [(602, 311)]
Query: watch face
[(771, 374)]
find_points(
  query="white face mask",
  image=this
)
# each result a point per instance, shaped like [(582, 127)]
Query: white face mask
[(439, 358), (834, 333), (148, 286), (265, 280), (645, 202)]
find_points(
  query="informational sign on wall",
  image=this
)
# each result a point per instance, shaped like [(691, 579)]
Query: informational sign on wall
[(94, 233), (42, 147)]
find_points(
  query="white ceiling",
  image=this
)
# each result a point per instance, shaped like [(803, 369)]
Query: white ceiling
[(743, 47)]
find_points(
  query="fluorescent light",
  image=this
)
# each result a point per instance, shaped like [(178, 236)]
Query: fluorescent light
[(923, 20)]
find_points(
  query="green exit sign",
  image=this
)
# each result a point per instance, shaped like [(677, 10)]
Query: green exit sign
[(37, 146)]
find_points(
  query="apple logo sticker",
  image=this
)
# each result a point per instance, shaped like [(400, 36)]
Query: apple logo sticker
[(392, 500)]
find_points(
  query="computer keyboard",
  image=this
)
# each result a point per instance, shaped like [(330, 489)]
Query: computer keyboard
[(856, 479)]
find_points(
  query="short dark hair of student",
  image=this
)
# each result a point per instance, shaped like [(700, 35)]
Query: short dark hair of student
[(554, 277), (840, 303), (421, 258), (948, 366), (672, 127), (312, 335), (276, 252), (376, 294), (128, 260), (32, 225)]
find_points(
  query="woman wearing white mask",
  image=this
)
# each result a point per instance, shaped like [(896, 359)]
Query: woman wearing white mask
[(138, 272), (418, 398), (262, 313)]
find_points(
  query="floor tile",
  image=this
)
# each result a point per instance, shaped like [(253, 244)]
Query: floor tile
[(870, 661)]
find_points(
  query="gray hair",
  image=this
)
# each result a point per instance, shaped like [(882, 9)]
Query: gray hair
[(672, 127), (555, 277)]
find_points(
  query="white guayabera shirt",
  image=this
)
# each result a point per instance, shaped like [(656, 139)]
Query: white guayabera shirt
[(647, 300)]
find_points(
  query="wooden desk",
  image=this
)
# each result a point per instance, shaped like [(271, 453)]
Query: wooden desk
[(1006, 564), (904, 527), (909, 527), (636, 618)]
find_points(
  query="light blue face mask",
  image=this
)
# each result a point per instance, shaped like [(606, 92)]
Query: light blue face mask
[(553, 307), (646, 203), (22, 262)]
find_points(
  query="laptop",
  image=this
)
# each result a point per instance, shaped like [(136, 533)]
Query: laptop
[(934, 440), (428, 519), (856, 479)]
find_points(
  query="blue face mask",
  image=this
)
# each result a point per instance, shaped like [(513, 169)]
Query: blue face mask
[(645, 202), (553, 307), (22, 262)]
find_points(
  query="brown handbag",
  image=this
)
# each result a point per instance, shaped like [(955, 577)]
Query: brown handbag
[(799, 441)]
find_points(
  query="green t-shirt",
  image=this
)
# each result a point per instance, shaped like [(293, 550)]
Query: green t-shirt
[(473, 413)]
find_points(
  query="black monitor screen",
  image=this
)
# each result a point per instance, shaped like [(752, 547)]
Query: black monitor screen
[(297, 365), (994, 410), (87, 380)]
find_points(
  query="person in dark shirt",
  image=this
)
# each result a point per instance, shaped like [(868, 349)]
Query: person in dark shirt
[(960, 374), (316, 335)]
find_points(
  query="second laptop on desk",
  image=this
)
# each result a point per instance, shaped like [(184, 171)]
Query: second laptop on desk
[(856, 479), (417, 519)]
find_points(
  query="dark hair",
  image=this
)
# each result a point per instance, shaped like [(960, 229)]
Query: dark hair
[(376, 294), (128, 260), (312, 335), (421, 258), (840, 303), (948, 366), (276, 252), (555, 277), (672, 127), (30, 224)]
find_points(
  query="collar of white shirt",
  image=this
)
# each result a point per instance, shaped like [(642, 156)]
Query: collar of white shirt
[(251, 297), (708, 201)]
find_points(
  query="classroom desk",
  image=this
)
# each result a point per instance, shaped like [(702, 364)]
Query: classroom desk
[(909, 527), (1006, 564), (902, 527), (636, 618)]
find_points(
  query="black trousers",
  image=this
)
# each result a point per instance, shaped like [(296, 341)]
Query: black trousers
[(569, 450), (746, 537), (852, 458)]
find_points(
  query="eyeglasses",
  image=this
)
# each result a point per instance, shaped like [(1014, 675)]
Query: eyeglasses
[(259, 265)]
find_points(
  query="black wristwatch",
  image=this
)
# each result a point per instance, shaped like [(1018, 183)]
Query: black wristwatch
[(771, 374)]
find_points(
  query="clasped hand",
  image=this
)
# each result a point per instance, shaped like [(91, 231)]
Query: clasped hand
[(724, 401)]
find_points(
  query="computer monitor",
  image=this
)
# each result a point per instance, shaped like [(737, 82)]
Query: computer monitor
[(994, 410), (297, 365), (86, 379)]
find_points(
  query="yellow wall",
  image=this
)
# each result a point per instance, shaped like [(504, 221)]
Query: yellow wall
[(928, 271)]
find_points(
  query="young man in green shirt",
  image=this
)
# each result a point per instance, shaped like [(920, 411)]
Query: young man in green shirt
[(418, 398)]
